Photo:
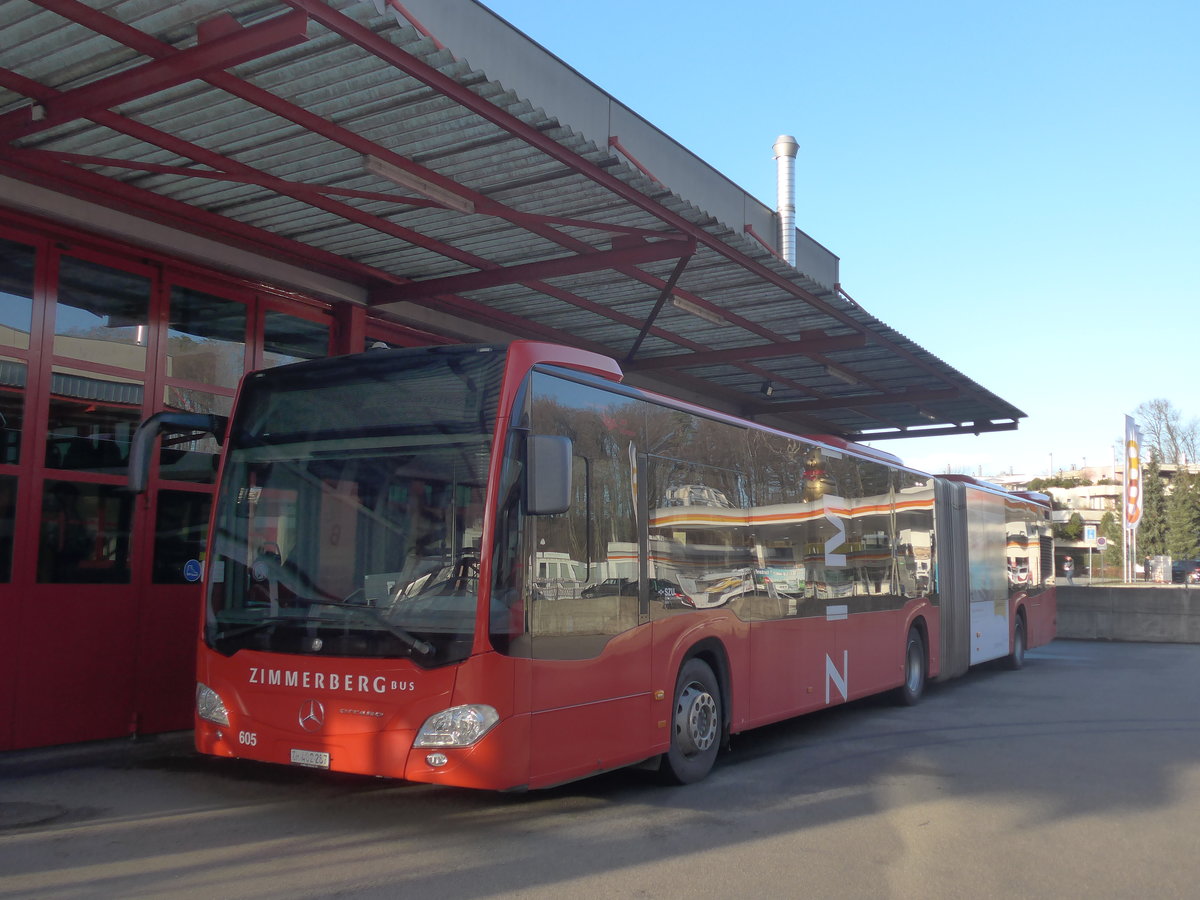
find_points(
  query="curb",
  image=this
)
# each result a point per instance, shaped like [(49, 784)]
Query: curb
[(114, 753)]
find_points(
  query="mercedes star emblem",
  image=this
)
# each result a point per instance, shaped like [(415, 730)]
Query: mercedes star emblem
[(312, 715)]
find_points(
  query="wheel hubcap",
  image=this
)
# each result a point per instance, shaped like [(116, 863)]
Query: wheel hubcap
[(695, 720), (914, 668)]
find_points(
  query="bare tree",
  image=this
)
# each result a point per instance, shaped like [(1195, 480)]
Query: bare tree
[(1164, 429)]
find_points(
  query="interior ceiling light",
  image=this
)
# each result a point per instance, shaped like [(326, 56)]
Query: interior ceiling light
[(417, 185), (926, 414), (696, 309)]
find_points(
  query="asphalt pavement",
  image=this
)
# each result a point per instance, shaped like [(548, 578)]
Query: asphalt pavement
[(1077, 776)]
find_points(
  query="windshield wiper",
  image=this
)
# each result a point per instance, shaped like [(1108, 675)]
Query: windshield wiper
[(423, 647), (262, 624)]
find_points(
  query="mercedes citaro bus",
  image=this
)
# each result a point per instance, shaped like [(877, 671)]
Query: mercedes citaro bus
[(372, 599)]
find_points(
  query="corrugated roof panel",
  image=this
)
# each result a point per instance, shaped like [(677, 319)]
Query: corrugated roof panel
[(510, 158)]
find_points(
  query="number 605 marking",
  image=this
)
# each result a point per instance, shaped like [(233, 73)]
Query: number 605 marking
[(249, 738)]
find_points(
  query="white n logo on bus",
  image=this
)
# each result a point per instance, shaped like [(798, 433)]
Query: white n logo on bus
[(839, 679)]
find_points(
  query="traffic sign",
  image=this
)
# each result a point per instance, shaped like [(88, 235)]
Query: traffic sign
[(1089, 533), (1102, 542)]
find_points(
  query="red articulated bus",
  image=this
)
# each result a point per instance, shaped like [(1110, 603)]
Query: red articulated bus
[(377, 598)]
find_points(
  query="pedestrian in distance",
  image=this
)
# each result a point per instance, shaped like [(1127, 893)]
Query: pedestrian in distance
[(1069, 570)]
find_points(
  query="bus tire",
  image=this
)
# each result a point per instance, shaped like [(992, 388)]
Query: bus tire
[(696, 724), (909, 693), (1016, 659)]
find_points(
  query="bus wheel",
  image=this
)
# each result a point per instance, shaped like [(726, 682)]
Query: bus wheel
[(1016, 659), (914, 670), (695, 725)]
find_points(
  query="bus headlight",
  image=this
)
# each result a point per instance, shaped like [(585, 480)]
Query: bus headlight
[(459, 726), (209, 705)]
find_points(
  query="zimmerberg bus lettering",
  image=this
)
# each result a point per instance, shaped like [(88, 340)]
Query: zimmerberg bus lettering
[(332, 681)]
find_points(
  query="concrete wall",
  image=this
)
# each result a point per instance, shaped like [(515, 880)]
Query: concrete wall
[(1160, 614)]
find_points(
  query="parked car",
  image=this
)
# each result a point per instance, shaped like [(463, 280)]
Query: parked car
[(610, 587), (1185, 571)]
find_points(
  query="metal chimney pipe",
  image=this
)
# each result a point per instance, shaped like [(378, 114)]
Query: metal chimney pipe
[(785, 164)]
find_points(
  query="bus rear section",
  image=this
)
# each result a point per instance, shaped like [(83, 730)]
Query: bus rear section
[(996, 553)]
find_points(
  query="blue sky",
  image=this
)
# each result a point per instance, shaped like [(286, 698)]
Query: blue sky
[(1013, 186)]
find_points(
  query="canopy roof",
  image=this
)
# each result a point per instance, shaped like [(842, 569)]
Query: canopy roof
[(354, 141)]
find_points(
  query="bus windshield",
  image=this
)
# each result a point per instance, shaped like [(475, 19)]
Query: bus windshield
[(351, 507)]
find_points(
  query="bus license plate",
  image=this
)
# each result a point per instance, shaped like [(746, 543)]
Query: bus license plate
[(312, 758)]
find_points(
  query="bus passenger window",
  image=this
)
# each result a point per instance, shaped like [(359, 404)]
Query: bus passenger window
[(595, 541)]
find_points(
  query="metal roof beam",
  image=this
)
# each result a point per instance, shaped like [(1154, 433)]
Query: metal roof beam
[(158, 138), (144, 43), (905, 397), (147, 44), (213, 55), (104, 24), (42, 169), (723, 399), (623, 255), (279, 185), (968, 428), (356, 33), (518, 326), (341, 24), (815, 343), (658, 305)]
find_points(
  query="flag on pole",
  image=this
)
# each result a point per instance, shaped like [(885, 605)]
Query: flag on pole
[(1133, 474)]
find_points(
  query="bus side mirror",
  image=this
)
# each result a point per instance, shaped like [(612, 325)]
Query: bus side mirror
[(147, 433), (548, 474)]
